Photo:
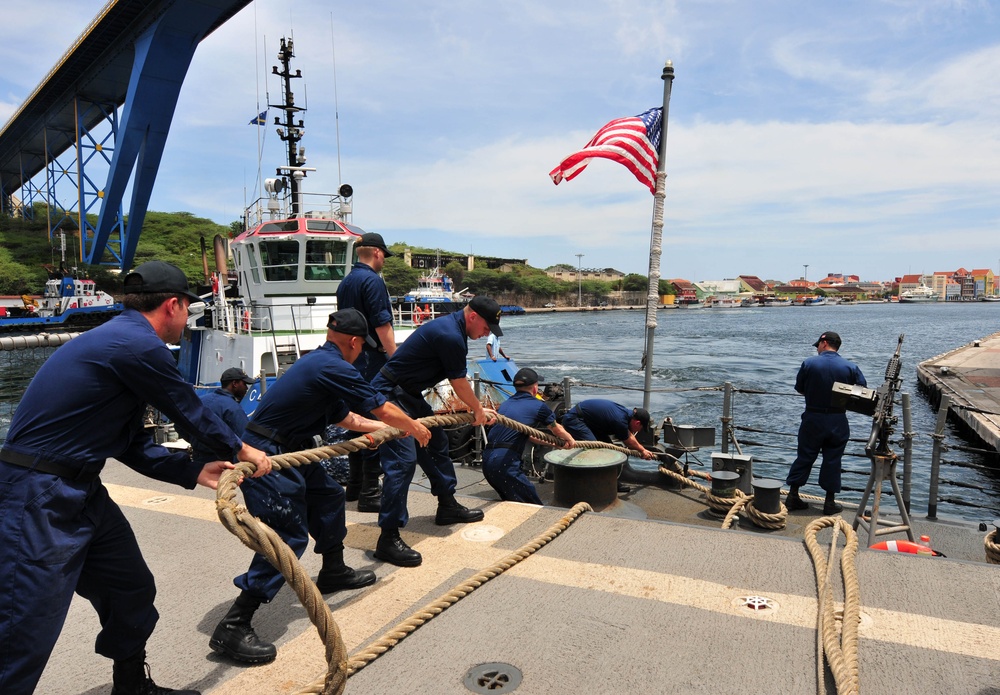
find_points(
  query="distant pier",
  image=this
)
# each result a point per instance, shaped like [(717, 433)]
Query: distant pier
[(970, 377)]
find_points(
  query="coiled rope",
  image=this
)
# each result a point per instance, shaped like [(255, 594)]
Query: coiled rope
[(262, 539), (992, 547), (841, 651)]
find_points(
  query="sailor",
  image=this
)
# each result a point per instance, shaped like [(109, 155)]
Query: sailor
[(435, 351), (598, 419), (62, 533), (364, 289), (502, 455), (320, 388), (493, 349), (224, 402), (823, 428)]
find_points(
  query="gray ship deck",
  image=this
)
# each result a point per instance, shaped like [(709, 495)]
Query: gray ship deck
[(616, 604)]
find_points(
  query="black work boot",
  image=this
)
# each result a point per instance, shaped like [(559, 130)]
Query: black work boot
[(131, 677), (793, 502), (234, 636), (393, 549), (335, 575), (450, 511), (353, 487), (370, 499), (830, 506)]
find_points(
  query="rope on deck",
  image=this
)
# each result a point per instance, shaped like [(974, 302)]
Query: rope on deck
[(992, 548), (263, 540), (841, 651)]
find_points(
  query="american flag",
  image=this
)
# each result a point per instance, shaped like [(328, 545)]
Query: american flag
[(634, 142)]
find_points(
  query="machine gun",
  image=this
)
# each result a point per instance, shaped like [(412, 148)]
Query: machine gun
[(883, 421)]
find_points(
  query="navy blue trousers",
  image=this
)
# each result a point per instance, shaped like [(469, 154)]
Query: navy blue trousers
[(502, 468), (820, 433), (58, 537), (400, 458), (296, 503)]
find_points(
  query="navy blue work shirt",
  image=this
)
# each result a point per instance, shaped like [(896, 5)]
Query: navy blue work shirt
[(817, 374), (522, 407), (363, 289), (435, 351), (605, 418), (320, 388), (224, 404), (87, 402)]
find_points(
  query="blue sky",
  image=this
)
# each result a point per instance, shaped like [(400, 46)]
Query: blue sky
[(856, 137)]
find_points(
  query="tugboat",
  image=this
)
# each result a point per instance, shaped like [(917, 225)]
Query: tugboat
[(287, 265), (67, 303)]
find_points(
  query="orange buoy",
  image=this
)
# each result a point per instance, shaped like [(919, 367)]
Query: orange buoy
[(905, 547)]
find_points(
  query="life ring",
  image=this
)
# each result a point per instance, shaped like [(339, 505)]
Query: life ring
[(905, 547)]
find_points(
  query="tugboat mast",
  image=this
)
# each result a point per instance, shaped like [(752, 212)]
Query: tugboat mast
[(290, 132)]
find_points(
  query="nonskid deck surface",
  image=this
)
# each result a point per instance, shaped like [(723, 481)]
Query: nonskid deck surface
[(613, 604)]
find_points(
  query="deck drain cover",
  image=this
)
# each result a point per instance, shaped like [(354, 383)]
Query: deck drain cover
[(757, 604), (493, 678)]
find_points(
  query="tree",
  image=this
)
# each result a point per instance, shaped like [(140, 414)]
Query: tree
[(456, 271), (399, 277), (633, 282)]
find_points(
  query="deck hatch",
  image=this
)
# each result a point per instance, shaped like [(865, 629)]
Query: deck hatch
[(493, 678)]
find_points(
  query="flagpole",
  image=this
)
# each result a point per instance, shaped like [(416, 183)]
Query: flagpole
[(656, 236)]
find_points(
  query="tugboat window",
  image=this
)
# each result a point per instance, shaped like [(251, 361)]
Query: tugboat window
[(325, 259), (254, 266), (280, 260)]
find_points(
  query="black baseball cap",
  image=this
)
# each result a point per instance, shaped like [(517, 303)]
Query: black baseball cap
[(526, 377), (374, 240), (830, 337), (154, 277), (236, 374), (350, 322), (642, 415), (489, 310)]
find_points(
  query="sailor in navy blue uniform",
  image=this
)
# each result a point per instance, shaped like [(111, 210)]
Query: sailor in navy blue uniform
[(502, 455), (435, 351), (319, 389), (62, 533), (364, 289), (823, 428), (598, 419), (224, 402)]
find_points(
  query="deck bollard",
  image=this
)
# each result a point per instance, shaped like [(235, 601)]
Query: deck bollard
[(741, 464), (724, 483), (767, 495)]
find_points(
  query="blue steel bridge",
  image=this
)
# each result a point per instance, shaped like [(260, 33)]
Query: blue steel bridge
[(98, 122)]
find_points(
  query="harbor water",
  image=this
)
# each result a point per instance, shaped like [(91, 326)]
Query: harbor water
[(760, 349), (756, 350)]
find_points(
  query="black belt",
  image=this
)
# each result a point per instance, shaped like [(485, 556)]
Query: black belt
[(826, 410), (384, 371), (501, 445), (391, 378), (266, 432), (86, 474)]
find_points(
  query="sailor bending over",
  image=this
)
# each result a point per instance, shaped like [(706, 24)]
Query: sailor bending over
[(319, 389), (435, 351), (502, 455)]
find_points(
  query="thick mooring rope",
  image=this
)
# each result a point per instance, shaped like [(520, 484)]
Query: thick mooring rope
[(262, 539), (841, 651), (992, 548)]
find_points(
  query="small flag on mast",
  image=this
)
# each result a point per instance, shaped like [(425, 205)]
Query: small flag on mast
[(259, 119), (633, 142)]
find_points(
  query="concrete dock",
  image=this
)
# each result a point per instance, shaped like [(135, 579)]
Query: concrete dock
[(970, 377), (617, 603)]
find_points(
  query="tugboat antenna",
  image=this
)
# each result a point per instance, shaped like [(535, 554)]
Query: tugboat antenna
[(336, 104)]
